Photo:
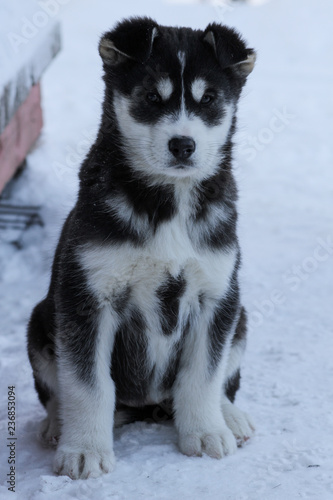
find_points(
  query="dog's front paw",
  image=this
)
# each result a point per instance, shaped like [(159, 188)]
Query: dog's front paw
[(239, 422), (83, 463), (216, 444)]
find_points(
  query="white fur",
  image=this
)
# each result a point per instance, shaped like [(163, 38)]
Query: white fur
[(197, 399), (198, 88), (165, 88), (113, 267), (182, 60), (239, 422), (47, 368), (147, 146), (123, 210), (236, 354), (119, 207), (87, 412), (49, 431)]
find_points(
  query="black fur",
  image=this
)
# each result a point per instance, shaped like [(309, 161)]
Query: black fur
[(173, 367), (223, 319), (129, 371), (232, 386), (77, 320), (169, 294), (172, 370), (240, 333), (41, 348), (155, 202), (43, 391), (149, 413)]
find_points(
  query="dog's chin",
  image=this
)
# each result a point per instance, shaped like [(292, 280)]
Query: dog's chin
[(180, 170)]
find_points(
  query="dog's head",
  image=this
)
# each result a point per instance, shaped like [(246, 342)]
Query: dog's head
[(173, 93)]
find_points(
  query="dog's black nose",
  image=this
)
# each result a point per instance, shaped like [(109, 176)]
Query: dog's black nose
[(182, 147)]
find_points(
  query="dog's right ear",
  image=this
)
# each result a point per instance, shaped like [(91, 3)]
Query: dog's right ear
[(131, 39)]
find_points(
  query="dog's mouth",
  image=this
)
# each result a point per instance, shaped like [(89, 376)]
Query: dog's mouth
[(181, 170), (184, 165)]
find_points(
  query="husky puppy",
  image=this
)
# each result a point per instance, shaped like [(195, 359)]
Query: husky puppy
[(144, 306)]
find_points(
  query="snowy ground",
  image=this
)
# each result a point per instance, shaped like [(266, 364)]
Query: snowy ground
[(284, 167)]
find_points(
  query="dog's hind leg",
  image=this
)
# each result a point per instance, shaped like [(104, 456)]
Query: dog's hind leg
[(49, 431), (238, 421), (237, 349), (42, 358)]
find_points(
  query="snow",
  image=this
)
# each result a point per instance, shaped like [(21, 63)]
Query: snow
[(284, 168), (29, 40)]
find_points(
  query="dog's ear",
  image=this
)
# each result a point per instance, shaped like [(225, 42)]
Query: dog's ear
[(131, 39), (229, 49)]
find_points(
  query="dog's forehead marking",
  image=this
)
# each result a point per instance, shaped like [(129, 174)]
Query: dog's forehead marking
[(198, 88), (165, 88), (182, 59)]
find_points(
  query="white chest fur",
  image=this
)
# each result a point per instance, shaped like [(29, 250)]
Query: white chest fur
[(111, 268)]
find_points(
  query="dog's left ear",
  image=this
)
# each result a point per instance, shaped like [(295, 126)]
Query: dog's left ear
[(229, 49), (131, 39)]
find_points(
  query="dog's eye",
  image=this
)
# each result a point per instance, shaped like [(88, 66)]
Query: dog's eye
[(153, 97), (207, 98)]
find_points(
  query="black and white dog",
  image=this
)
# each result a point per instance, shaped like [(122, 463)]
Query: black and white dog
[(143, 306)]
